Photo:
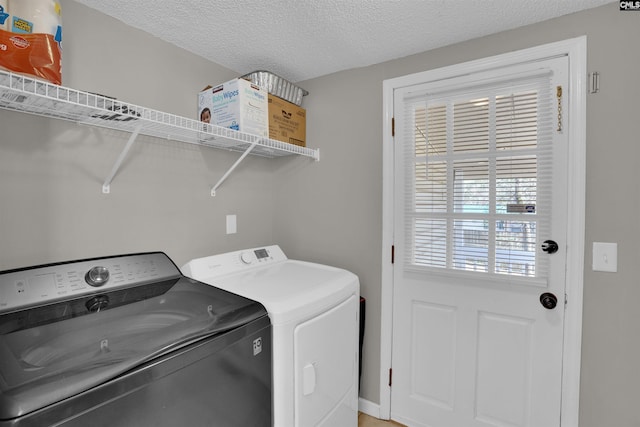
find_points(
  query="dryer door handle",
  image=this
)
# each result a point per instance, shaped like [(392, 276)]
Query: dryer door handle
[(308, 379)]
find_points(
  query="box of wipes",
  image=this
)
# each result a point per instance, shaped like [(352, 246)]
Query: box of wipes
[(237, 104)]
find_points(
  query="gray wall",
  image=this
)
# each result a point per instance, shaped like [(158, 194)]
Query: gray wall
[(51, 174), (333, 211)]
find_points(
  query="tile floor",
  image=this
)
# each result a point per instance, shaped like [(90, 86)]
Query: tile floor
[(365, 420)]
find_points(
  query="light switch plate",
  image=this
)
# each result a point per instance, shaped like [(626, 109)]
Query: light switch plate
[(232, 226), (605, 257)]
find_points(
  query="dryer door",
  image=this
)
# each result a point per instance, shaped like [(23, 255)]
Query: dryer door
[(326, 361)]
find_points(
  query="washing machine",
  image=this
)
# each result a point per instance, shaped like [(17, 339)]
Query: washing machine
[(128, 341), (314, 312)]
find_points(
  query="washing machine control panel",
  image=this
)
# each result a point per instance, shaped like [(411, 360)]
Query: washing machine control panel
[(54, 282)]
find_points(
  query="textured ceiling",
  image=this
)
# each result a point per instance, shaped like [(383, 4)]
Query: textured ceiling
[(303, 39)]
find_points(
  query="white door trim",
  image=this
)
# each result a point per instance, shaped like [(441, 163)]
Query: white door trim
[(576, 50)]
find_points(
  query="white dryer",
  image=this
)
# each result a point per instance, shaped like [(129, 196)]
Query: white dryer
[(314, 312)]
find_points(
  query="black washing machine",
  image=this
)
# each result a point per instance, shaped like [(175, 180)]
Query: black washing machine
[(128, 341)]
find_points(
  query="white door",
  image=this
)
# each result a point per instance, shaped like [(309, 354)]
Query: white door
[(478, 309)]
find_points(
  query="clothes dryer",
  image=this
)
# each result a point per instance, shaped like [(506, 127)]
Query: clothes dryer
[(314, 312)]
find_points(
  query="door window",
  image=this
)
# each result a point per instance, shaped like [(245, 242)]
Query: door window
[(478, 181)]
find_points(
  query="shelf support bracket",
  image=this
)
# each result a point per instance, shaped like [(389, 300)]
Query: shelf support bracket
[(106, 187), (221, 180)]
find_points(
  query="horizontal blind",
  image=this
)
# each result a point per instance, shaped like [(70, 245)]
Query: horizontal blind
[(478, 174)]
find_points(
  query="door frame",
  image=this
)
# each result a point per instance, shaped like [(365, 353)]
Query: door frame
[(576, 50)]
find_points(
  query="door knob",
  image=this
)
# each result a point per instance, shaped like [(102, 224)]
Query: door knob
[(548, 300), (549, 246)]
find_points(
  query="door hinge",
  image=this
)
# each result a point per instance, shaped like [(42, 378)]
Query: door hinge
[(594, 82), (393, 126), (393, 254), (390, 376)]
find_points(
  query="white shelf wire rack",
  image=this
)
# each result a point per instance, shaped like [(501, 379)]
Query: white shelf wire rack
[(28, 95)]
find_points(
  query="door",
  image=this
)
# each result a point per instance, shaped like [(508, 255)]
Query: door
[(480, 223), (326, 367)]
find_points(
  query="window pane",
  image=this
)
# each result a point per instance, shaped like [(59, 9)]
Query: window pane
[(471, 245), (516, 184), (430, 130), (516, 247), (471, 186), (431, 187), (471, 125), (516, 121), (437, 130), (420, 131), (430, 242)]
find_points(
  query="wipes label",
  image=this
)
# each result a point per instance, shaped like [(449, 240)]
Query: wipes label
[(237, 104)]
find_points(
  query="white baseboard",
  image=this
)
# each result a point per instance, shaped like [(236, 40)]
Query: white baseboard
[(369, 408)]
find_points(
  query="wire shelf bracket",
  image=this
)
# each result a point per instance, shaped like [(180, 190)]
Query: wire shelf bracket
[(224, 177), (106, 187)]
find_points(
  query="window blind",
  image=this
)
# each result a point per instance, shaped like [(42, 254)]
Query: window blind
[(478, 175)]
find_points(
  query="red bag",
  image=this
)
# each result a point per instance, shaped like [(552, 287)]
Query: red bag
[(36, 54)]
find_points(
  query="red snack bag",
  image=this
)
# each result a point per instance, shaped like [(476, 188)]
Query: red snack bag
[(30, 38)]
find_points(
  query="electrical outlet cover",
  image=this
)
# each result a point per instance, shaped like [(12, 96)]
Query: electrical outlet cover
[(605, 257), (232, 226)]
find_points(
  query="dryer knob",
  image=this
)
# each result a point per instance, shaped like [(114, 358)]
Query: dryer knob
[(246, 257)]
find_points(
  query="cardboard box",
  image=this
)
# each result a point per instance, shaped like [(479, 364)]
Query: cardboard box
[(287, 121), (237, 104)]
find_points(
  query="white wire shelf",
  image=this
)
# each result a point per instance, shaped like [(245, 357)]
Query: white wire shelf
[(27, 95)]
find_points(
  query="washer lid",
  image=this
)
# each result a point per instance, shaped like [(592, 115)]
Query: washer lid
[(52, 352), (291, 289)]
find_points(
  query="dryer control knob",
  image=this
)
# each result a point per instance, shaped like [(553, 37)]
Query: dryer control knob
[(97, 276), (246, 257)]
